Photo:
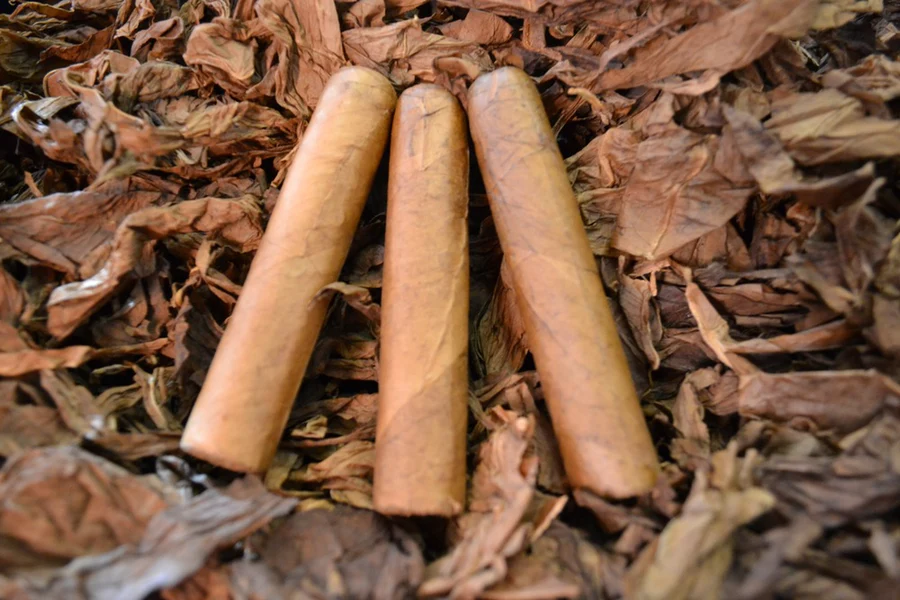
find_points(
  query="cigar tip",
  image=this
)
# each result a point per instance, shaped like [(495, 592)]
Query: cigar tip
[(428, 90), (500, 76), (362, 75), (199, 448)]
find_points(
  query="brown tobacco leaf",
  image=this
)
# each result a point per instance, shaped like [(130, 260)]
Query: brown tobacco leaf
[(61, 503), (307, 40), (356, 297), (502, 488), (412, 54), (776, 173), (347, 474), (499, 338), (224, 52), (683, 186), (861, 483), (691, 557), (176, 544), (729, 42), (235, 222), (344, 553), (692, 448), (70, 232), (26, 423), (479, 27), (838, 400), (636, 300)]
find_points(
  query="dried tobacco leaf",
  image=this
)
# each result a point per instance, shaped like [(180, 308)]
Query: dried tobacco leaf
[(61, 503), (177, 542)]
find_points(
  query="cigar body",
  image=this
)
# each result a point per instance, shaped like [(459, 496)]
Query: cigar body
[(245, 401), (603, 438), (420, 441)]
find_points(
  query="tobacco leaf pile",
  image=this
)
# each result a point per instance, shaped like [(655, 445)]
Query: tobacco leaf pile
[(735, 164)]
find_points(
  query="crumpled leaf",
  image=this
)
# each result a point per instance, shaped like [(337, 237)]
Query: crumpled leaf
[(69, 231), (840, 400), (499, 337), (723, 44), (307, 41), (60, 503), (692, 555), (224, 51), (502, 488), (235, 222), (828, 126), (479, 27), (682, 187), (413, 55), (861, 483), (176, 544), (344, 553), (347, 473), (776, 173)]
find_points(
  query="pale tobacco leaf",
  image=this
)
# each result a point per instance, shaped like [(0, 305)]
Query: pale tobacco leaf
[(776, 173), (61, 503), (176, 544), (834, 13), (502, 489), (835, 334), (714, 330), (875, 80), (235, 222), (691, 556), (842, 401), (829, 126)]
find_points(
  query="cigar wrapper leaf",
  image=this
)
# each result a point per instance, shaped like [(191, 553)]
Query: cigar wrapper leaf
[(259, 364), (604, 441), (420, 449)]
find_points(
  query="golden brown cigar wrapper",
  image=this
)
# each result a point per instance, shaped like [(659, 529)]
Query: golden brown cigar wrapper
[(603, 438), (420, 445), (243, 407)]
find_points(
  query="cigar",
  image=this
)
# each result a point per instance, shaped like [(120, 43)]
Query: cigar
[(244, 404), (603, 438), (420, 440)]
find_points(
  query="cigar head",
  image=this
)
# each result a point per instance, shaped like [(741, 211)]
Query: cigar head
[(354, 76), (502, 77), (428, 91)]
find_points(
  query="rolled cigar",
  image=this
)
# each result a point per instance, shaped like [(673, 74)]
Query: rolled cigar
[(420, 439), (244, 404), (604, 441)]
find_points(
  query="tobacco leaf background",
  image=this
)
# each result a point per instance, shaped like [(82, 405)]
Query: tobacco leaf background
[(735, 164)]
